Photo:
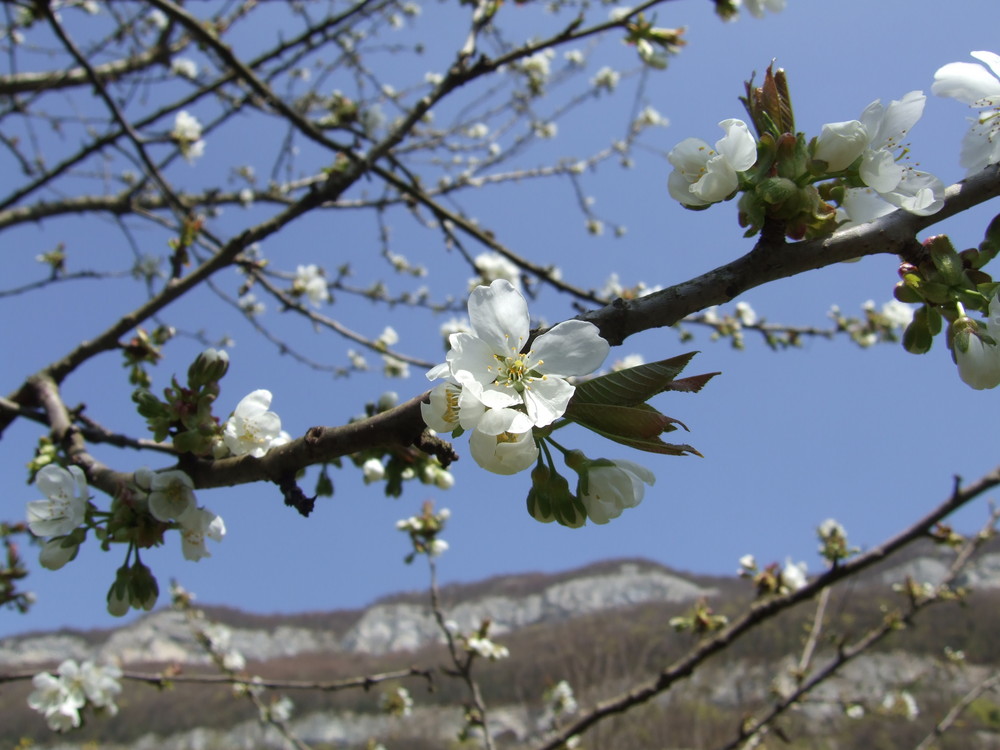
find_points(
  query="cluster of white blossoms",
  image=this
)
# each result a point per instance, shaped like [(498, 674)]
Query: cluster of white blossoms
[(310, 281), (877, 137), (486, 648), (978, 87), (171, 499), (497, 390), (61, 697), (187, 134)]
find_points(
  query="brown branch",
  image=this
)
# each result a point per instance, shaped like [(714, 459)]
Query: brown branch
[(894, 234), (19, 83)]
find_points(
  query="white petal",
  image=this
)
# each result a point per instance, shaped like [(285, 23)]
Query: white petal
[(919, 193), (546, 400), (964, 81), (504, 456), (992, 60), (573, 347), (253, 404), (738, 145), (499, 316), (840, 143), (880, 171), (718, 182), (473, 357)]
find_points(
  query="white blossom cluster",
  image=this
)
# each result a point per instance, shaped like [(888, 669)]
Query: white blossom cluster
[(61, 697), (497, 391)]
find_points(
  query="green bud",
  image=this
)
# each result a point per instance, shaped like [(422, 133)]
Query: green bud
[(143, 589), (118, 596), (210, 366), (776, 190), (904, 293)]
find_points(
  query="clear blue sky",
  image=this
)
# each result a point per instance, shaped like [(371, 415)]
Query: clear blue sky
[(871, 438)]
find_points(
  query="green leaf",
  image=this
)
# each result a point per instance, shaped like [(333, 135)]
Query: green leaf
[(692, 384), (641, 421), (991, 243), (651, 445), (630, 387)]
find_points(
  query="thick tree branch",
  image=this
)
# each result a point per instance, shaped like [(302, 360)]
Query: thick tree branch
[(894, 234)]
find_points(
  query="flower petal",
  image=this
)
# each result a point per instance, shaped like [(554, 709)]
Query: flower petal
[(499, 316), (573, 347)]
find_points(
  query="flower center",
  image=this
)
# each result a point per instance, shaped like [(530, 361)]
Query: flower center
[(515, 372)]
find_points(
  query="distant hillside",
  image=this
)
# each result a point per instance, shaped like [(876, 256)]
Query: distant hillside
[(601, 627)]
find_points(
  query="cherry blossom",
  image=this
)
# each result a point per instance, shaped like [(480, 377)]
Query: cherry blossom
[(252, 430), (65, 505), (493, 364), (703, 175), (978, 87), (609, 487)]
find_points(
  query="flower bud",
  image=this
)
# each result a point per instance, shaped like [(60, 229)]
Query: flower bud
[(209, 367)]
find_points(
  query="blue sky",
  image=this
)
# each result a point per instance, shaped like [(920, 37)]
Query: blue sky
[(869, 437)]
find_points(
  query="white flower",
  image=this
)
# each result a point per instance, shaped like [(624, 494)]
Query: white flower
[(486, 648), (478, 131), (561, 699), (54, 699), (279, 711), (99, 684), (979, 364), (649, 117), (66, 501), (183, 67), (702, 175), (493, 266), (171, 496), (861, 205), (840, 143), (393, 367), (252, 429), (918, 192), (793, 575), (187, 133), (748, 563), (746, 314), (609, 487), (55, 553), (197, 525), (387, 338), (831, 528), (975, 86), (309, 280), (373, 470), (60, 698), (854, 711), (249, 304), (574, 57), (756, 7), (898, 314), (491, 363), (902, 703), (505, 453), (606, 78), (545, 129)]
